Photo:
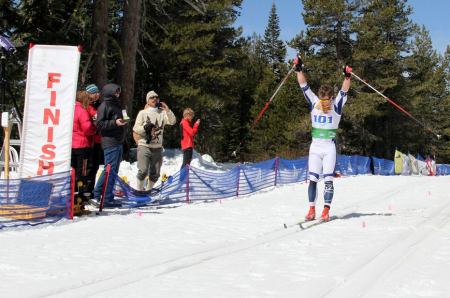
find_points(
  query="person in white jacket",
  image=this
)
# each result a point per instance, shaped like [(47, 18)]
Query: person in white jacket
[(149, 126), (326, 113)]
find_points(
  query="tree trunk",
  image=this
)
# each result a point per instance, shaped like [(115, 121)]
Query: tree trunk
[(129, 40), (100, 30)]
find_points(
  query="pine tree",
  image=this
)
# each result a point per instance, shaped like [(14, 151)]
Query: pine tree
[(426, 86), (443, 127), (190, 59), (267, 139), (382, 39), (329, 30), (325, 47), (274, 48)]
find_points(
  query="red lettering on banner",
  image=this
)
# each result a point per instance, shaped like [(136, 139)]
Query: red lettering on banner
[(50, 135), (52, 79), (50, 117), (54, 117), (47, 149), (52, 98), (49, 167)]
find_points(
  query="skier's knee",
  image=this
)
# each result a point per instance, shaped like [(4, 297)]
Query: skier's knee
[(313, 177), (328, 178)]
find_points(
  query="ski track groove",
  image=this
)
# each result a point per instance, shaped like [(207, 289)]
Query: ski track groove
[(151, 271), (183, 262), (367, 279)]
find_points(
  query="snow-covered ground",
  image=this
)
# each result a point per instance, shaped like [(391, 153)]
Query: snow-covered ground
[(389, 237)]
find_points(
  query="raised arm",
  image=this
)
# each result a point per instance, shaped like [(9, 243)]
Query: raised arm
[(347, 73), (299, 69)]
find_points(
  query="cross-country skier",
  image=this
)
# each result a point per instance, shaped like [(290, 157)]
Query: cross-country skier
[(326, 113)]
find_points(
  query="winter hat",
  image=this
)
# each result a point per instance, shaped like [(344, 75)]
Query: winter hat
[(151, 94), (92, 89)]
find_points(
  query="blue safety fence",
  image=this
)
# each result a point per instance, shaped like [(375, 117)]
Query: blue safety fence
[(383, 166), (292, 171), (353, 165), (33, 201), (443, 170), (193, 184)]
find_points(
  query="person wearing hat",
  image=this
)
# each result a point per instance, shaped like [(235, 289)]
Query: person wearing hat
[(96, 154), (149, 126), (111, 124)]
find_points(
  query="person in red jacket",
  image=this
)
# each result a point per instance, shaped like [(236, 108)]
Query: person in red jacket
[(187, 135), (83, 132)]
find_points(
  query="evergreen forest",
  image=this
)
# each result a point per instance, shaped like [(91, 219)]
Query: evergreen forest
[(190, 53)]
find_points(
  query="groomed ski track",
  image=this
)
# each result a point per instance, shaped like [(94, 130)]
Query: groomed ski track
[(375, 251)]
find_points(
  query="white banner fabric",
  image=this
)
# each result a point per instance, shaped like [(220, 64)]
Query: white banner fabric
[(49, 107)]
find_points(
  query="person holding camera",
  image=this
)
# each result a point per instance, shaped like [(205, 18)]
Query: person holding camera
[(149, 126), (111, 124), (187, 135)]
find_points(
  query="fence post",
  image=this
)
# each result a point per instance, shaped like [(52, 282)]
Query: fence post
[(105, 186), (238, 177), (72, 194), (276, 170), (187, 184)]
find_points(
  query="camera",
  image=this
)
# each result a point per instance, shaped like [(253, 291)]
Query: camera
[(158, 105), (7, 44)]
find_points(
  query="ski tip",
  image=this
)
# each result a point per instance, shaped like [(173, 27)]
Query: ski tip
[(285, 226), (301, 227)]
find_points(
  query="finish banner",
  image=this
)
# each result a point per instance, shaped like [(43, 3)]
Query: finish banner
[(49, 107)]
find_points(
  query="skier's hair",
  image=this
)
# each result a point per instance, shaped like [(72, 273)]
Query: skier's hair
[(325, 90)]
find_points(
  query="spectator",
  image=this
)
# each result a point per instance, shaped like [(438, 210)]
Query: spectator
[(135, 135), (96, 157), (187, 135), (82, 136), (149, 126), (112, 126)]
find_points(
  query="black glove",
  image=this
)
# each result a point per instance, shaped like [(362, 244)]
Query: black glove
[(149, 129), (298, 63), (347, 71)]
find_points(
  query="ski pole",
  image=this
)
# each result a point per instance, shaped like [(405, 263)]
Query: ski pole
[(263, 110), (423, 125)]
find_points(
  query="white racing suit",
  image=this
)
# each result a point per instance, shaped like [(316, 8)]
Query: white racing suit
[(322, 152)]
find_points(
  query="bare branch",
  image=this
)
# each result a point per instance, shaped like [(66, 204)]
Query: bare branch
[(142, 57), (78, 8), (203, 12), (88, 61)]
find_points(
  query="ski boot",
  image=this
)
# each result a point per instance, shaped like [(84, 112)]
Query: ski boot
[(325, 214), (311, 214)]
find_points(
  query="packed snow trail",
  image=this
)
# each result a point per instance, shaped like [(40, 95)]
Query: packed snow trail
[(240, 248), (369, 274)]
